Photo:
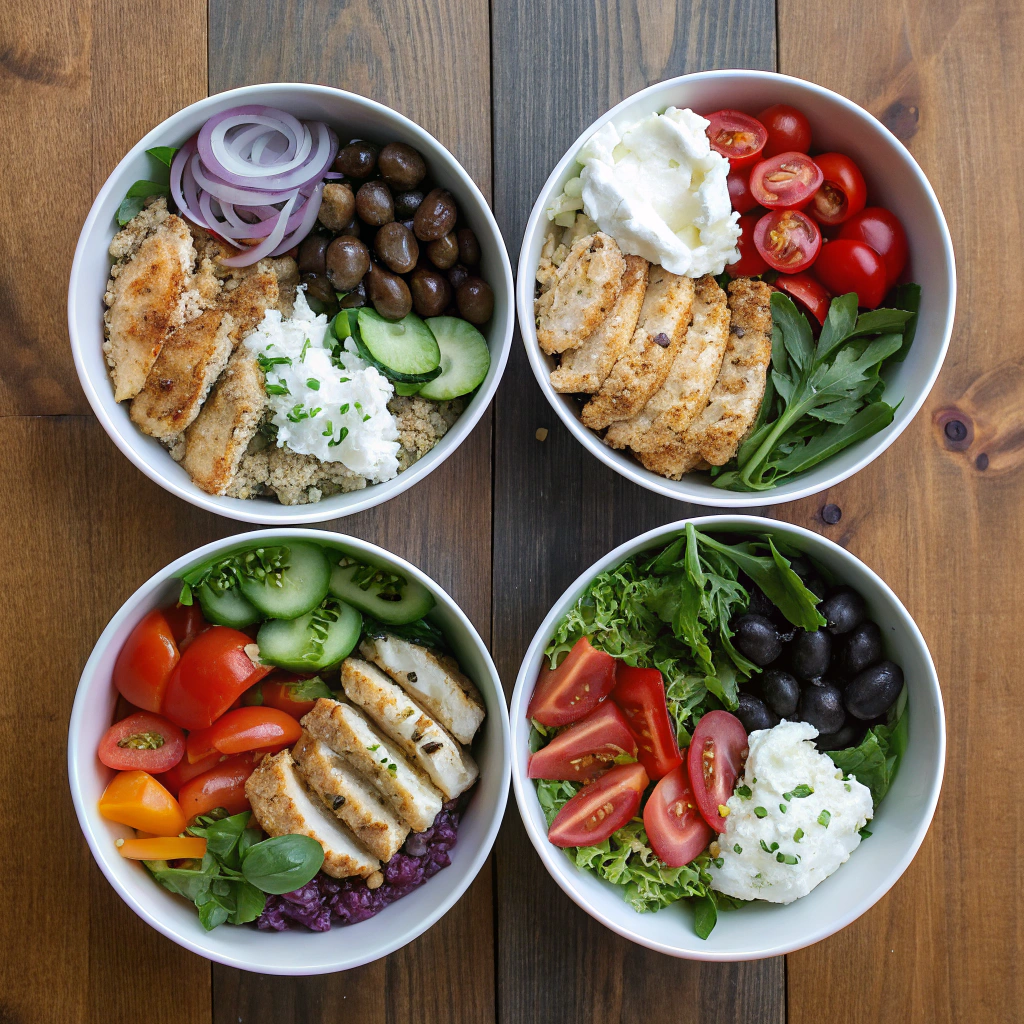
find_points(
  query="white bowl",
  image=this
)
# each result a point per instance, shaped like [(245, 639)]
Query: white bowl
[(763, 929), (297, 951), (894, 180), (352, 116)]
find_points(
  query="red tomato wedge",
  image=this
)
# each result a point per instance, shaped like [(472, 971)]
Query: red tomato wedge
[(567, 693), (750, 263), (806, 291), (142, 741), (601, 808), (715, 759), (742, 198), (222, 786), (787, 240), (674, 826), (145, 662), (236, 732), (881, 230), (846, 265), (281, 691), (788, 130), (186, 622), (184, 770), (843, 192), (737, 136), (785, 182), (585, 749), (640, 694)]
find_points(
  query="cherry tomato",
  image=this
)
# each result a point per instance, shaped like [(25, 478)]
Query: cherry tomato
[(787, 240), (846, 265), (144, 741), (145, 662), (585, 749), (788, 130), (567, 693), (640, 694), (807, 292), (212, 673), (601, 808), (842, 193), (168, 848), (750, 263), (186, 622), (253, 728), (785, 182), (135, 798), (185, 770), (282, 690), (715, 760), (673, 824), (222, 786), (884, 233), (737, 136), (742, 198)]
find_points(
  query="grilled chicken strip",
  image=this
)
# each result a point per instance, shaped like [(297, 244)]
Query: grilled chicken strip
[(433, 680), (249, 300), (283, 806)]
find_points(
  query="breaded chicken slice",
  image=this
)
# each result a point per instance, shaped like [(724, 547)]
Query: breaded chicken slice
[(642, 368), (347, 731), (249, 299), (673, 407), (283, 806), (585, 288), (424, 742), (216, 441), (350, 796), (433, 680), (584, 369)]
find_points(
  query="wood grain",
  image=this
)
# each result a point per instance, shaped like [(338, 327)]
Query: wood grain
[(941, 521), (556, 509)]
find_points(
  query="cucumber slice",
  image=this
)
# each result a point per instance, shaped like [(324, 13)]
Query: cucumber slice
[(415, 600), (465, 358), (227, 607), (404, 350), (407, 389), (295, 590), (289, 643)]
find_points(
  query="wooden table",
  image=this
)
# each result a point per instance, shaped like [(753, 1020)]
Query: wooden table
[(509, 520)]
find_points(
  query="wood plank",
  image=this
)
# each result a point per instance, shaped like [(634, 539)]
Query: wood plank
[(82, 82), (557, 509), (939, 521)]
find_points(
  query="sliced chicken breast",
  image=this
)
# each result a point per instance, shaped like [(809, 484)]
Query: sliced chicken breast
[(249, 299)]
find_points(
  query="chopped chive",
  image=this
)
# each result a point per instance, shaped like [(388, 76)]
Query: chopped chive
[(743, 791), (366, 417), (787, 796), (277, 389), (344, 380), (761, 812), (313, 384), (329, 432), (782, 808), (824, 818), (344, 409), (305, 349), (803, 790), (737, 848), (786, 858), (847, 787), (798, 835), (718, 862)]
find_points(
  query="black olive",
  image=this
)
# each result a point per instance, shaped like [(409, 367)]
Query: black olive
[(407, 203), (859, 649), (810, 653), (822, 707), (849, 735), (312, 253), (320, 295), (844, 609), (781, 691), (753, 713), (756, 637), (872, 692), (760, 604)]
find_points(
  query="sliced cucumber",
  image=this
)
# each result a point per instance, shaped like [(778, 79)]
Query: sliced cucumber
[(411, 602), (407, 389), (293, 644), (227, 607), (465, 358), (404, 350), (295, 590)]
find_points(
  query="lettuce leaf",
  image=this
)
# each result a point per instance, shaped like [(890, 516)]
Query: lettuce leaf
[(876, 759)]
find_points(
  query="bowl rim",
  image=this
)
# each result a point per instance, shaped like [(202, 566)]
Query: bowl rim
[(88, 819), (243, 509), (559, 866), (720, 498)]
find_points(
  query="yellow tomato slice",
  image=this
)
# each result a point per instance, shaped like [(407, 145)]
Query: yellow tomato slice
[(135, 798), (165, 848)]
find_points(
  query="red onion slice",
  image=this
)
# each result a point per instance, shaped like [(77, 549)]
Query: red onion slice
[(269, 244), (312, 208)]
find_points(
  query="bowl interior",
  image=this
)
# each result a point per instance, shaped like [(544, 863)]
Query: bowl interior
[(353, 117), (894, 181), (762, 929), (297, 951)]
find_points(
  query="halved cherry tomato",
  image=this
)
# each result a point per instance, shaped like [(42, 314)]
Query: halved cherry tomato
[(737, 136), (715, 759), (169, 848), (846, 265), (145, 662), (223, 786), (808, 292), (788, 130), (673, 824), (785, 182), (750, 263), (565, 694), (280, 691), (186, 622), (843, 191), (135, 798), (252, 728), (884, 233), (640, 694), (185, 770), (212, 673), (585, 749), (601, 808), (742, 198), (144, 741), (787, 240)]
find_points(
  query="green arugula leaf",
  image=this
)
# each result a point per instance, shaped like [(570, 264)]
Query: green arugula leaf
[(875, 760), (907, 297), (705, 914), (136, 196), (839, 325), (165, 154)]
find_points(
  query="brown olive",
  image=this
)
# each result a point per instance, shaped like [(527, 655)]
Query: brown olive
[(356, 160), (311, 254), (435, 216), (374, 204), (431, 293), (337, 207), (396, 245), (348, 259), (401, 166), (388, 292), (407, 203), (469, 247), (319, 294), (355, 298), (457, 275), (354, 228), (475, 300), (443, 252)]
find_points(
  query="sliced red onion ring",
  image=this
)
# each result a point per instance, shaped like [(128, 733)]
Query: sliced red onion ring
[(312, 208), (268, 245)]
